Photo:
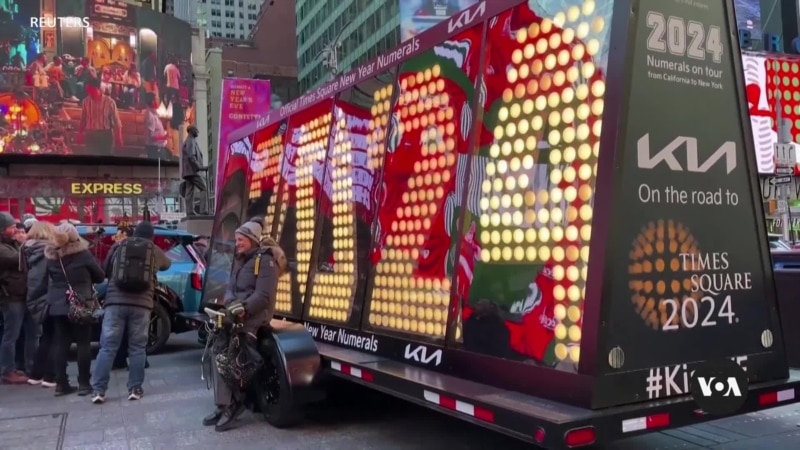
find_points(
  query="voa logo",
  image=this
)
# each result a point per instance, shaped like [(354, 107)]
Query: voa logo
[(422, 354)]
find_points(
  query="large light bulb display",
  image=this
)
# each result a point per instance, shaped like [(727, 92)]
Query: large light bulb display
[(538, 147), (302, 170), (430, 124), (265, 168), (334, 284)]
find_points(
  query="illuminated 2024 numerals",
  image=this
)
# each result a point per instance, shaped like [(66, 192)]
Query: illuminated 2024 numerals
[(402, 300), (333, 292)]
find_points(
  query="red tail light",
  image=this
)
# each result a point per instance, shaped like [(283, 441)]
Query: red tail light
[(579, 437), (197, 281)]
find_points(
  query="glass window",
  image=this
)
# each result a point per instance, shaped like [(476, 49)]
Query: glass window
[(178, 254)]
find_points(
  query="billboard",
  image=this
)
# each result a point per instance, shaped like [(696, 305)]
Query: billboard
[(118, 85), (417, 16), (772, 92), (242, 101)]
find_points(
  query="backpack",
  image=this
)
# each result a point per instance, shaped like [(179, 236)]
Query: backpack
[(134, 265)]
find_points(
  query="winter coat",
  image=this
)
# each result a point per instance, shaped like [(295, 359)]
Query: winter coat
[(34, 263), (82, 270), (12, 278), (114, 296), (256, 291)]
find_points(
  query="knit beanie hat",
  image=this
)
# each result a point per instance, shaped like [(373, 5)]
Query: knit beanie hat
[(251, 230), (6, 220), (66, 233), (144, 230)]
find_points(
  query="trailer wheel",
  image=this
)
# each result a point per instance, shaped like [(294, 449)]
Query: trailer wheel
[(273, 394)]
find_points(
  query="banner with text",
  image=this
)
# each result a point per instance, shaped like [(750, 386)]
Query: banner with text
[(695, 268), (242, 100)]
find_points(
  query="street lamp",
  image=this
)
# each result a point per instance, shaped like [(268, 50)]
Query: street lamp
[(330, 53)]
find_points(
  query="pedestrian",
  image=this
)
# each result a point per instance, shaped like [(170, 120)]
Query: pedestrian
[(28, 335), (131, 268), (70, 266), (34, 263), (13, 292), (121, 359), (250, 300)]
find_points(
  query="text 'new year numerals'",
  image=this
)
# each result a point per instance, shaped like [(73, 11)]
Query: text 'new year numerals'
[(680, 37)]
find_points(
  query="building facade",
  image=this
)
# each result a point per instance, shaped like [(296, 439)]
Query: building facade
[(268, 54), (364, 28), (231, 19), (156, 5)]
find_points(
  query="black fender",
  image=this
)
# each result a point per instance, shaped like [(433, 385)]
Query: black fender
[(299, 357), (293, 365), (169, 298)]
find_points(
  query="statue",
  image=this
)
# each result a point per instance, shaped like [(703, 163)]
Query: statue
[(194, 188)]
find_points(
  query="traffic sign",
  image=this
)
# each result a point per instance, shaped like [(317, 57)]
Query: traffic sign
[(784, 171), (785, 155), (774, 181), (783, 206)]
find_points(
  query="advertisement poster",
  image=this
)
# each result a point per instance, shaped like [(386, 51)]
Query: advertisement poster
[(772, 86), (115, 82), (694, 267), (242, 101), (417, 16)]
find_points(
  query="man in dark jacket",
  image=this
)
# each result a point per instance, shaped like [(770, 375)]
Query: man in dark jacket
[(13, 292), (193, 183), (129, 310)]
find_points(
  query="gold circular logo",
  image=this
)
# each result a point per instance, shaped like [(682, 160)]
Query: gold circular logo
[(662, 260)]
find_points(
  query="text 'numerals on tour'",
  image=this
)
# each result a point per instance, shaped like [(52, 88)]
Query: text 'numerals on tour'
[(683, 38), (690, 313)]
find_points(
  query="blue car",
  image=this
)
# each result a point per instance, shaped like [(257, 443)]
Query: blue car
[(180, 288)]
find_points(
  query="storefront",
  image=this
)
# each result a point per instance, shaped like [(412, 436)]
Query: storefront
[(88, 200)]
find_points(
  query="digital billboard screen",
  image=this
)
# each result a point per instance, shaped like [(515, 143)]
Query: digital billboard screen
[(95, 78)]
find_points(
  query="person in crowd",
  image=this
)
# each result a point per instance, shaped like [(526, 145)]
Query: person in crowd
[(36, 75), (83, 73), (70, 265), (13, 291), (55, 72), (250, 299), (29, 334), (150, 74), (156, 136), (133, 82), (100, 125), (34, 264), (105, 81), (172, 74), (193, 183), (121, 360), (28, 220), (131, 267)]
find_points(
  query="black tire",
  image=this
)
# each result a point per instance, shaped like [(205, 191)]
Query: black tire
[(160, 329), (273, 395), (202, 336)]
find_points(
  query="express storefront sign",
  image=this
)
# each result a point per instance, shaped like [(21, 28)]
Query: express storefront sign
[(106, 188)]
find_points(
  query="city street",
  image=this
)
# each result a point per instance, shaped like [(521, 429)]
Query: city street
[(176, 399)]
